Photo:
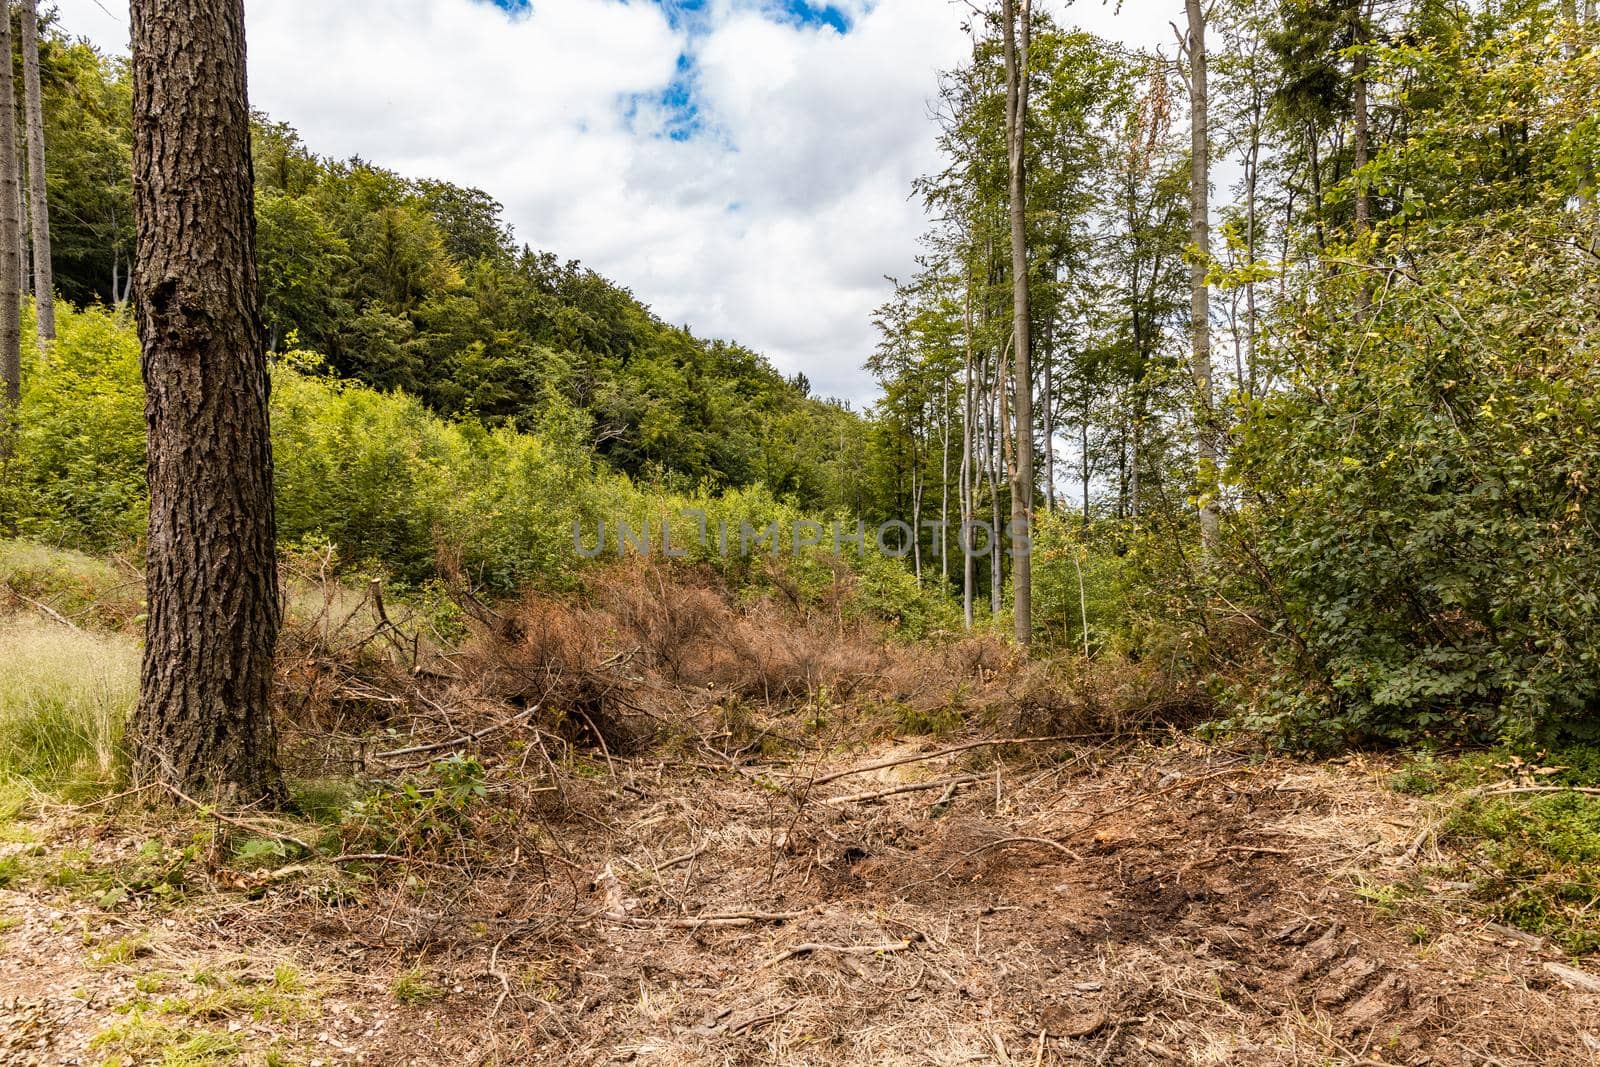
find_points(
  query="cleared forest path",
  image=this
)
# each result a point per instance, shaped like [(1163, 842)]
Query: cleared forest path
[(1144, 905)]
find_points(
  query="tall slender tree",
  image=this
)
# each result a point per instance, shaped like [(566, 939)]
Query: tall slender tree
[(10, 249), (1016, 57), (1199, 269), (203, 722), (38, 198)]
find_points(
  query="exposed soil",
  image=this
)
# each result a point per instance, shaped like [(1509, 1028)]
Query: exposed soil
[(1145, 905)]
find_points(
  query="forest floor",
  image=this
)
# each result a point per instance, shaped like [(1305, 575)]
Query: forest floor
[(1148, 902)]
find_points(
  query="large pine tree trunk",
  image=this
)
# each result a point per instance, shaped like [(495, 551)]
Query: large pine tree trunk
[(39, 209), (202, 724), (10, 249), (1016, 55), (1199, 266)]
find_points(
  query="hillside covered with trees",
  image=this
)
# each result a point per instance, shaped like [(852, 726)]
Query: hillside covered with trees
[(406, 283)]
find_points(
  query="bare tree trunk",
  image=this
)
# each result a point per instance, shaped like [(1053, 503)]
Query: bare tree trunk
[(992, 446), (1199, 285), (1252, 321), (10, 246), (203, 722), (944, 486), (1083, 454), (916, 508), (1314, 161), (1016, 49), (1136, 458), (1586, 182), (1362, 146), (1049, 418), (23, 244), (968, 508), (39, 201)]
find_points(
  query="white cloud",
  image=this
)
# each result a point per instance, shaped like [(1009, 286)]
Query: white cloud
[(773, 225)]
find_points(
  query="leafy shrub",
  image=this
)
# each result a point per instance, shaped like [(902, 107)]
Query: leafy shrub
[(402, 493), (1077, 579), (79, 474), (431, 813), (1435, 571)]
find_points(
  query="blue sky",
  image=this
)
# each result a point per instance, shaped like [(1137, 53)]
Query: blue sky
[(688, 12)]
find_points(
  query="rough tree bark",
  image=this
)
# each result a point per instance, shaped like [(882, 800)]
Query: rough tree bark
[(10, 249), (1016, 56), (39, 201), (202, 723), (1199, 266)]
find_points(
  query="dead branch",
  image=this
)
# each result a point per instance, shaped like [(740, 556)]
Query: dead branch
[(465, 739), (848, 950), (901, 760), (1520, 789), (45, 609), (1571, 976), (910, 787), (239, 824), (695, 922), (494, 971)]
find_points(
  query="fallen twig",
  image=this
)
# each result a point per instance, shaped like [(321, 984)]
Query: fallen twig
[(1508, 791), (900, 760), (239, 824), (910, 787), (1006, 841), (685, 858), (44, 608), (1575, 978), (847, 950), (465, 739), (495, 972), (694, 922)]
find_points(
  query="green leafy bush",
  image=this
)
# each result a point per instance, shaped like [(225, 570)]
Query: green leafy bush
[(78, 477), (400, 492), (1422, 514), (1077, 580)]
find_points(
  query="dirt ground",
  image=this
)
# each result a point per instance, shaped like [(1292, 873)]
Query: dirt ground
[(1150, 904)]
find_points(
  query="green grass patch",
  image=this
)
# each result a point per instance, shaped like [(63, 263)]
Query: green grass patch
[(412, 988), (141, 1038), (1535, 863), (121, 951), (323, 800), (1533, 858), (65, 696), (177, 1021)]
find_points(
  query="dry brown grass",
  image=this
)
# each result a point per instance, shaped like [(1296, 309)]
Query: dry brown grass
[(646, 652)]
